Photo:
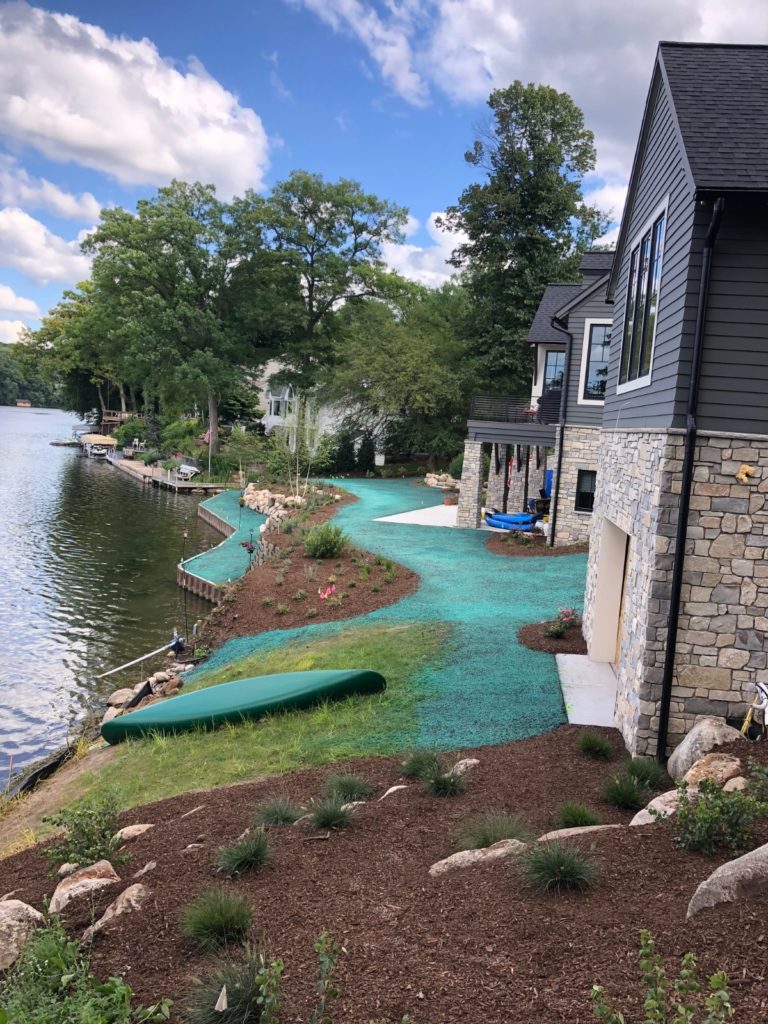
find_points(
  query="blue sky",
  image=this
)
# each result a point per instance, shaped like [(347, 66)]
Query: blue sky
[(100, 103)]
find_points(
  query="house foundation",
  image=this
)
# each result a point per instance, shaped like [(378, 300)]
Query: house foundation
[(581, 451)]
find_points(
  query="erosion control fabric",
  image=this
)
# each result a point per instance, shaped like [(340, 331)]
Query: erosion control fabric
[(229, 560), (489, 688)]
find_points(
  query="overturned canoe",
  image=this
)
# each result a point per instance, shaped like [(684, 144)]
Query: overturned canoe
[(244, 698)]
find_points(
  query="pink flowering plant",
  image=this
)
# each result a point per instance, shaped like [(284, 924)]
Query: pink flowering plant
[(326, 592), (568, 618)]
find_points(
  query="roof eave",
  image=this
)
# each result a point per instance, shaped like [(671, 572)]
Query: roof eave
[(587, 293)]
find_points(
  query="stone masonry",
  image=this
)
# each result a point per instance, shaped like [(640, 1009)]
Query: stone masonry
[(581, 447), (536, 477), (722, 647), (470, 495), (495, 494)]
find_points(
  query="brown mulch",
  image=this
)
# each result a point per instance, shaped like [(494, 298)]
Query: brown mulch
[(506, 544), (475, 945), (534, 636), (281, 579)]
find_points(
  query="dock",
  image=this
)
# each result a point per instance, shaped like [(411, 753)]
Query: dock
[(159, 477)]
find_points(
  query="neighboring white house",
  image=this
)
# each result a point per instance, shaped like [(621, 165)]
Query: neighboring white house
[(281, 408)]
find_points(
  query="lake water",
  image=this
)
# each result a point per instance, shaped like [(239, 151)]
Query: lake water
[(87, 579)]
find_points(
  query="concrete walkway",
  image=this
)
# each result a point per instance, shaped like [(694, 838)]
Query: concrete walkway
[(435, 515), (589, 689)]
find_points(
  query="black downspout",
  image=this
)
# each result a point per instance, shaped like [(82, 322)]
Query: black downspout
[(685, 493), (559, 326)]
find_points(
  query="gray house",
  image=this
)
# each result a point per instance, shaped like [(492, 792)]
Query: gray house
[(571, 335), (677, 587)]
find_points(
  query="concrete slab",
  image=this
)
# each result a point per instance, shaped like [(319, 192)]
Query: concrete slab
[(435, 515), (589, 689)]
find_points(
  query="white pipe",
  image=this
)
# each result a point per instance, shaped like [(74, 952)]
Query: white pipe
[(135, 661)]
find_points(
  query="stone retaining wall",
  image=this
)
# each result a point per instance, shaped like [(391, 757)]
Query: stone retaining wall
[(581, 448)]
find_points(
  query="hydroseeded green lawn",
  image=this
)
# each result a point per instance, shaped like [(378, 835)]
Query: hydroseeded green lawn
[(161, 766)]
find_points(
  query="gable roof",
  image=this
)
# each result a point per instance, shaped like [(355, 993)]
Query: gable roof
[(596, 261), (554, 298), (592, 286)]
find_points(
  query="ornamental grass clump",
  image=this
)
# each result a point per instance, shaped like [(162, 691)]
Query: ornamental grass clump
[(444, 783), (253, 987), (646, 771), (251, 852), (593, 745), (555, 867), (625, 792), (330, 813), (215, 919), (489, 828), (347, 787), (325, 541), (421, 763), (277, 811), (573, 815)]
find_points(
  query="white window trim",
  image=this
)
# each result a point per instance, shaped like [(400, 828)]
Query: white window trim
[(644, 382), (588, 325)]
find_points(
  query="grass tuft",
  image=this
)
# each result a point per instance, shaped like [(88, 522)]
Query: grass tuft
[(215, 919), (554, 867), (626, 792), (251, 852), (277, 811), (253, 992), (421, 764), (646, 771), (346, 787), (593, 745), (444, 783), (572, 815), (489, 828), (329, 814)]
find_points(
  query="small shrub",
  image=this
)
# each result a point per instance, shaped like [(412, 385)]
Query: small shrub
[(215, 919), (352, 584), (310, 571), (328, 813), (626, 792), (277, 811), (489, 828), (251, 852), (444, 783), (593, 745), (89, 830), (310, 613), (758, 780), (375, 589), (201, 651), (324, 541), (715, 820), (253, 992), (666, 1000), (555, 630), (299, 595), (347, 787), (332, 579), (421, 764), (267, 602), (344, 596), (282, 609), (378, 560), (573, 815), (553, 867), (390, 576), (365, 572), (569, 617), (646, 771)]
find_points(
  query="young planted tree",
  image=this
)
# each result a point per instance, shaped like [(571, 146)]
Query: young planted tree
[(526, 224)]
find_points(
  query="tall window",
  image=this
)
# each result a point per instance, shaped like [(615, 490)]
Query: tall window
[(554, 370), (585, 490), (598, 352), (642, 304)]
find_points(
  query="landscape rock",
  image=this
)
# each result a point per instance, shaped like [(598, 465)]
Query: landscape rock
[(352, 805), (149, 866), (442, 480), (129, 901), (67, 869), (569, 833), (666, 804), (739, 879), (735, 785), (120, 697), (84, 881), (717, 768), (131, 832), (109, 714), (17, 922), (706, 734), (392, 789), (463, 766), (194, 810), (469, 858)]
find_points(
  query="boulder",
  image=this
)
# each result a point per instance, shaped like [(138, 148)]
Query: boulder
[(666, 804), (569, 833), (706, 734), (109, 714), (131, 832), (739, 879), (469, 858), (129, 901), (463, 766), (67, 869), (120, 697), (718, 768), (17, 922), (82, 882), (735, 785)]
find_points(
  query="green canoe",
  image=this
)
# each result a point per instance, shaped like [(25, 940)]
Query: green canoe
[(244, 698)]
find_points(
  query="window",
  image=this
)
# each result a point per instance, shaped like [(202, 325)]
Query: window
[(554, 370), (594, 361), (585, 490), (642, 303)]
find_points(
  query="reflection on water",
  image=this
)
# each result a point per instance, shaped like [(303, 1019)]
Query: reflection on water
[(87, 578)]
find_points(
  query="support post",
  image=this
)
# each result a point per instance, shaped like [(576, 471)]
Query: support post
[(470, 496), (497, 477)]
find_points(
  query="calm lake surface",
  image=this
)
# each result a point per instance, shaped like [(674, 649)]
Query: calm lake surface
[(87, 579)]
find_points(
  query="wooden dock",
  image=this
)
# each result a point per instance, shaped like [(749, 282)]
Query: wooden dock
[(159, 477)]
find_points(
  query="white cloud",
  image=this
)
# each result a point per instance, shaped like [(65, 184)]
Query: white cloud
[(75, 93), (17, 187), (426, 264), (10, 302), (10, 331), (29, 246)]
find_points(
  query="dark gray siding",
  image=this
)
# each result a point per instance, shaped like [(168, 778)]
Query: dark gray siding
[(733, 393), (663, 172), (593, 308)]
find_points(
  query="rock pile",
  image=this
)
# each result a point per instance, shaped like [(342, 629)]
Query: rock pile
[(442, 480), (276, 506)]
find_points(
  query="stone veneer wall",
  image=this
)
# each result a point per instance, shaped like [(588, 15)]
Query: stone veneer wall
[(470, 494), (495, 493), (722, 644), (581, 447)]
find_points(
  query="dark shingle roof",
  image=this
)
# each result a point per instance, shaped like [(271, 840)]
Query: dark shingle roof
[(720, 95), (596, 262), (555, 297)]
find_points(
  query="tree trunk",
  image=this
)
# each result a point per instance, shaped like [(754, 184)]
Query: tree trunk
[(121, 389), (431, 462), (132, 397), (102, 403), (213, 421)]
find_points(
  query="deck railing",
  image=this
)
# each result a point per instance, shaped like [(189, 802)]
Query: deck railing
[(509, 409)]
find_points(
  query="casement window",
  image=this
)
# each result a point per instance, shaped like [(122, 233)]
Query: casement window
[(554, 370), (585, 490), (595, 354), (642, 304)]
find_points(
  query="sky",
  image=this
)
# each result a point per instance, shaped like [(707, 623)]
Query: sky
[(102, 103)]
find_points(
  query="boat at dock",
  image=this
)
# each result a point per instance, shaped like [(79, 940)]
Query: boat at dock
[(65, 442)]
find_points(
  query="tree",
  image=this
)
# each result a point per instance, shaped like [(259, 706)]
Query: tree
[(526, 224)]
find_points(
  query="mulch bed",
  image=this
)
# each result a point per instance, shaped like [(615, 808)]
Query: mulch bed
[(246, 615), (475, 945), (534, 636), (505, 544)]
